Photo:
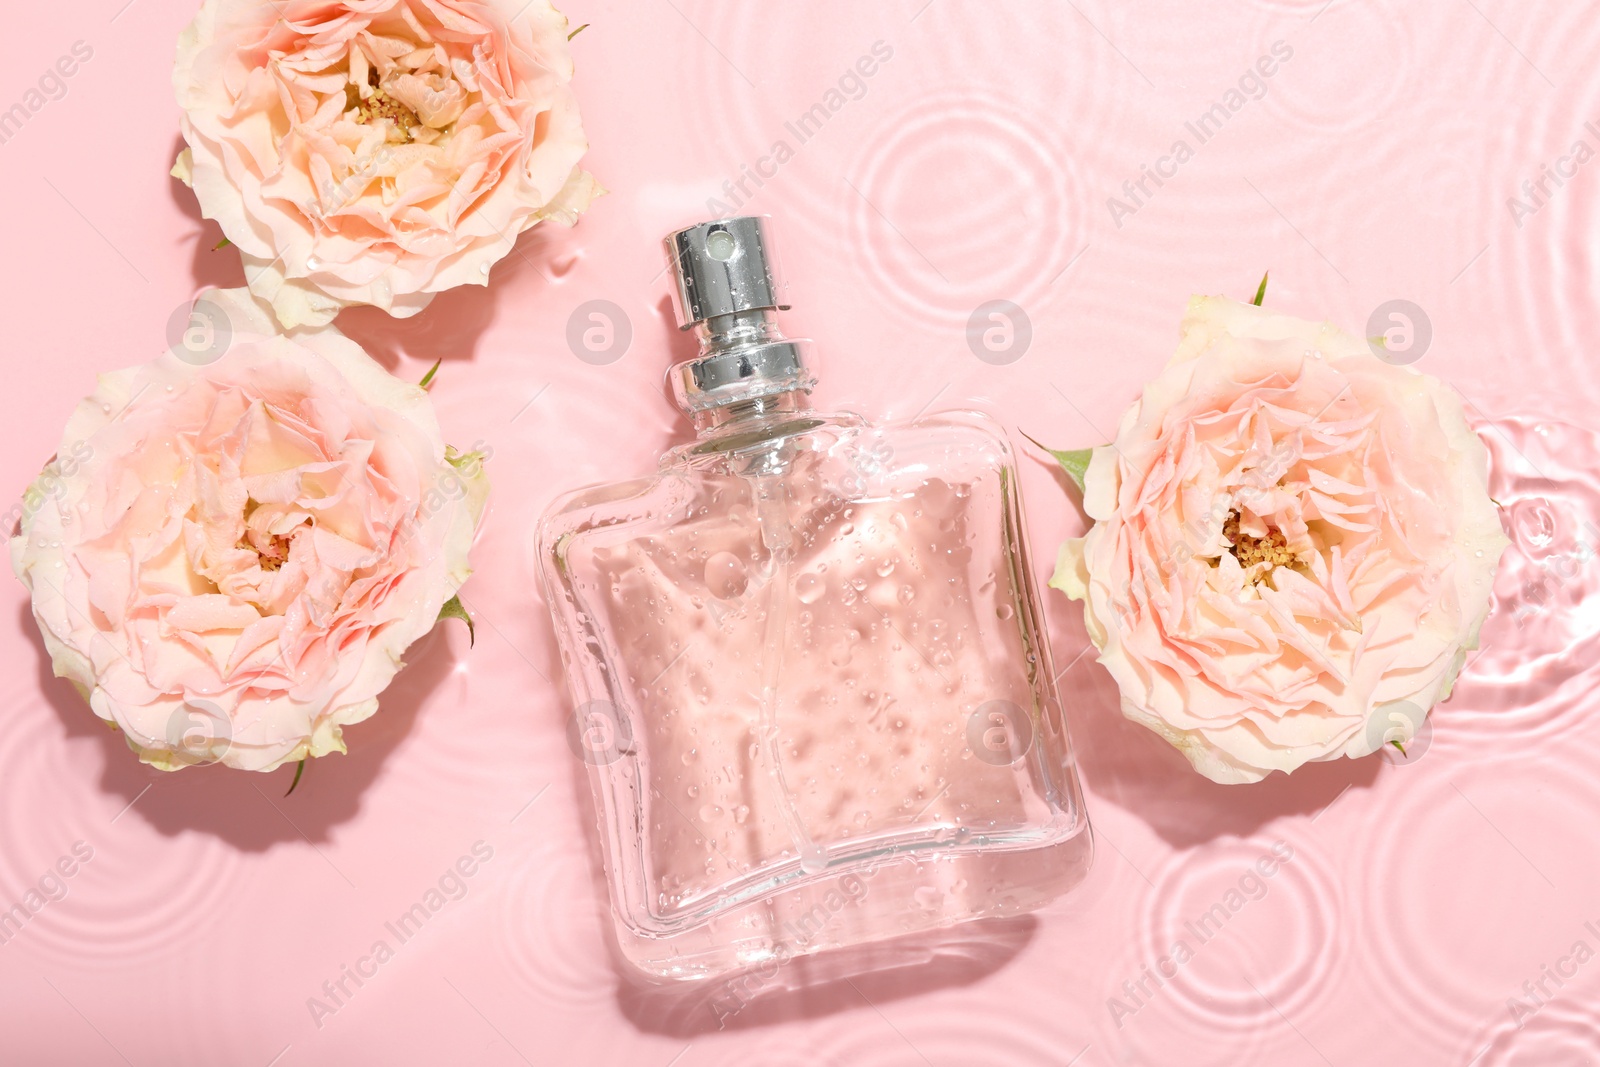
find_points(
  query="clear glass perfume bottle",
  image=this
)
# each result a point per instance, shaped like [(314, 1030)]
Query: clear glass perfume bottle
[(808, 662)]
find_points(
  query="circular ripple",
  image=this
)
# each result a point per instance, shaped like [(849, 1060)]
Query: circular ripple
[(142, 901), (1434, 852), (36, 757), (1164, 1036), (961, 202), (981, 1029), (1257, 945), (1537, 657), (550, 926), (1560, 1035), (1347, 71), (1538, 276), (140, 893)]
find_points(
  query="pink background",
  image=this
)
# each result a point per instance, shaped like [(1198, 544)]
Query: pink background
[(1420, 897)]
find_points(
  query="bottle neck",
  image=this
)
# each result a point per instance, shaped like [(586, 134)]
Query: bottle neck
[(747, 372), (725, 418), (741, 329)]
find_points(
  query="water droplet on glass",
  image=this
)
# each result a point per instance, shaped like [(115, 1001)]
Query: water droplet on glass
[(1005, 611), (885, 568), (808, 588), (725, 576)]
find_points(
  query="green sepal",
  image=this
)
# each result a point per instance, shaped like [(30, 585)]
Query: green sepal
[(453, 610), (1074, 461), (298, 771)]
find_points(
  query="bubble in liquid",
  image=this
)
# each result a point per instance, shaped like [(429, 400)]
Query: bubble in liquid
[(809, 588), (725, 576), (1005, 611)]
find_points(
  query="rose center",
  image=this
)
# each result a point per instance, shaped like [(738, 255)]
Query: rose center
[(380, 105), (272, 550), (1273, 549)]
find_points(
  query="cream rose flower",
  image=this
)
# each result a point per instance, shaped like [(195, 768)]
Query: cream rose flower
[(230, 555), (377, 151), (1293, 546)]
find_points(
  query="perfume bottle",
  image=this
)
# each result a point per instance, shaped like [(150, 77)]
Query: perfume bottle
[(808, 663)]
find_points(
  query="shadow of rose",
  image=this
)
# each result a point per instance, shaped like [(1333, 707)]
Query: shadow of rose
[(1132, 767), (249, 810)]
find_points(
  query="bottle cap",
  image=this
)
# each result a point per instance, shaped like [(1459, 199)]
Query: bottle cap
[(724, 267)]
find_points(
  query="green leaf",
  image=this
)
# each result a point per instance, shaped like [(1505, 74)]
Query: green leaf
[(1398, 745), (1074, 462), (577, 31), (298, 771), (427, 378), (453, 610), (1261, 291), (224, 243)]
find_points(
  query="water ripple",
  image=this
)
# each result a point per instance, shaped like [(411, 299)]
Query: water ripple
[(1536, 658), (1260, 945)]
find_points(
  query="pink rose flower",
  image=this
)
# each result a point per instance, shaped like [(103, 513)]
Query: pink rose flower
[(377, 151), (230, 558), (1293, 546)]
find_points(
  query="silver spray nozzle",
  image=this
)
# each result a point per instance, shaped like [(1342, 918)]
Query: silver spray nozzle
[(728, 289), (724, 267)]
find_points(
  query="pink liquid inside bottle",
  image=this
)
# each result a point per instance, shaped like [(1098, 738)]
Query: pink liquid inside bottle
[(810, 675)]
